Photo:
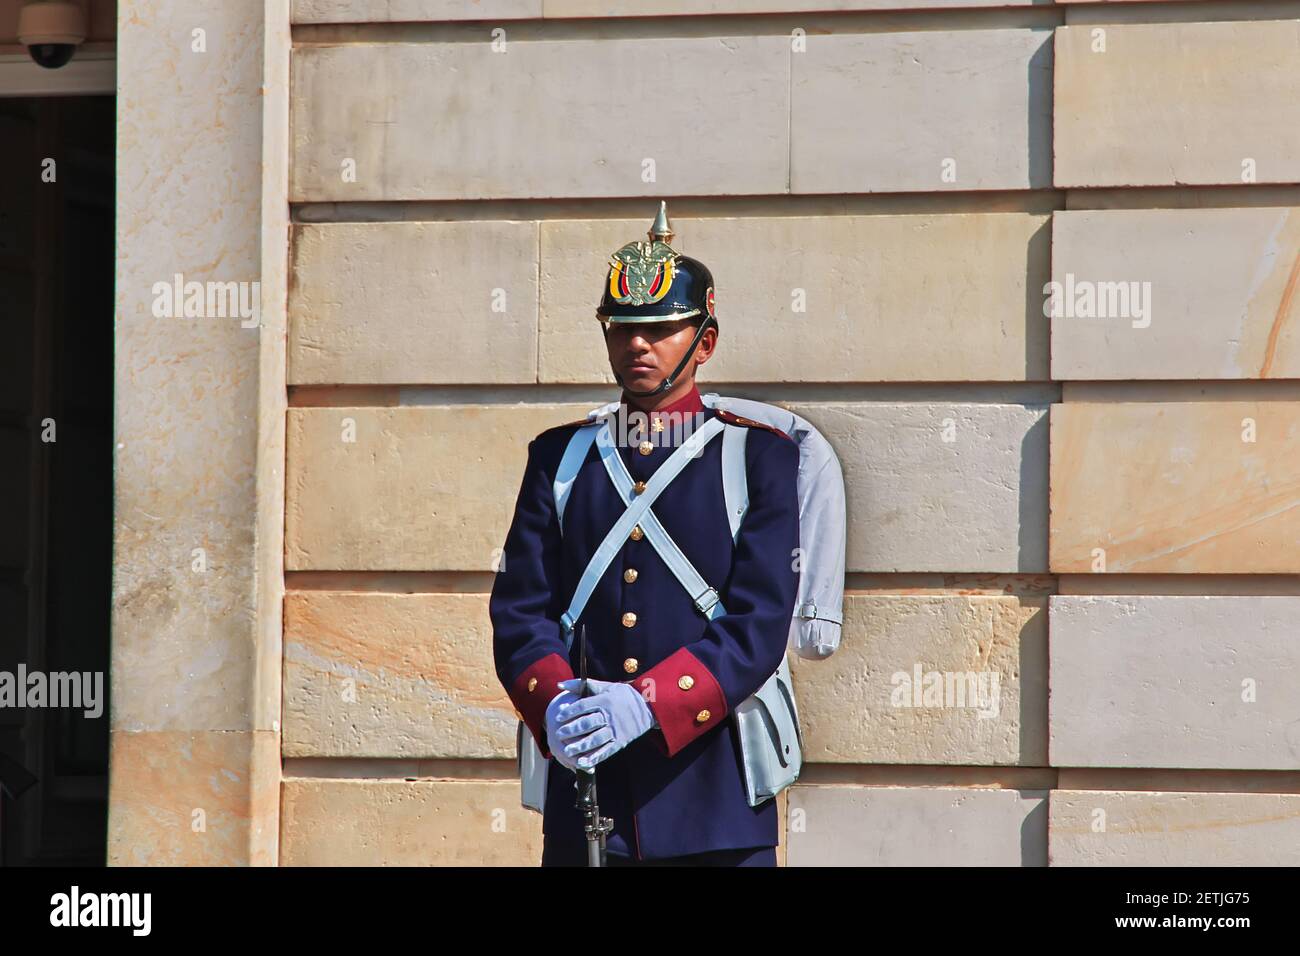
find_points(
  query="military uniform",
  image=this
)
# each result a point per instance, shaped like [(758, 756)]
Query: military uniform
[(677, 790)]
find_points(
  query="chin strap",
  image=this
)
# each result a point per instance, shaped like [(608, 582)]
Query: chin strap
[(668, 383)]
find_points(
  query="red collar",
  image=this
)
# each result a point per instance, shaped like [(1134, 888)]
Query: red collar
[(690, 402)]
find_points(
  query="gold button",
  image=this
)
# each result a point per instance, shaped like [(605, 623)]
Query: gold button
[(645, 448), (532, 684), (637, 533), (629, 575), (686, 682), (629, 619), (630, 665), (639, 487), (702, 716), (658, 425)]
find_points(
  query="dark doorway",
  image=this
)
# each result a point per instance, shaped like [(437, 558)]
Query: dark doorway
[(56, 503)]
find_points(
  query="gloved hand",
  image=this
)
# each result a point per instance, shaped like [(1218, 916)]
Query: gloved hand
[(596, 727), (553, 722)]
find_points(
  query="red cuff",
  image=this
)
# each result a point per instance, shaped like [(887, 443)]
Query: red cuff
[(685, 698), (533, 691)]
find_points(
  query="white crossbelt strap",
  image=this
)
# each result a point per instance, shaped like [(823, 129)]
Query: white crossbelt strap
[(735, 490), (637, 510), (705, 598), (735, 486), (575, 453)]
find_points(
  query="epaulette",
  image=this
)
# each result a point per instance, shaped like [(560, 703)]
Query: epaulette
[(742, 420)]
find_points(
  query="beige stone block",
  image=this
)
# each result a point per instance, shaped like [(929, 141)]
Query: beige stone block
[(423, 685), (396, 499), (645, 8), (916, 826), (929, 679), (826, 299), (198, 449), (1109, 12), (922, 112), (201, 798), (546, 118), (1175, 681), (594, 8), (1176, 294), (414, 302), (392, 675), (1169, 104), (368, 11), (165, 675), (198, 433), (333, 822), (1129, 828), (398, 11), (940, 487), (429, 488), (1175, 487)]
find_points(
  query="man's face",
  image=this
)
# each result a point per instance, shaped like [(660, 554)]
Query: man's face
[(644, 353)]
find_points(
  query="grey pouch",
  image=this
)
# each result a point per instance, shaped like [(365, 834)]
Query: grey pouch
[(532, 769), (771, 744)]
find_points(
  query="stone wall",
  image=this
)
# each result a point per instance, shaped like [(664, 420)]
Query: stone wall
[(198, 430), (1097, 508)]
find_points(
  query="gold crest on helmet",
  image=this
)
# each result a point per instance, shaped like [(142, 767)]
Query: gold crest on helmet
[(641, 272)]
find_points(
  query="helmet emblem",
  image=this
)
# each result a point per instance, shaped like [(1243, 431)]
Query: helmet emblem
[(641, 272)]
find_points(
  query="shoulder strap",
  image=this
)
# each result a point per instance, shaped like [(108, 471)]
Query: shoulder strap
[(575, 453), (735, 482)]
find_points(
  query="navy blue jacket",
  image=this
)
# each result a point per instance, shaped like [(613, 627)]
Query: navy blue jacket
[(677, 789)]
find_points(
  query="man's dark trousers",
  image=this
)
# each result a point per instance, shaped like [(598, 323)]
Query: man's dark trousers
[(745, 856)]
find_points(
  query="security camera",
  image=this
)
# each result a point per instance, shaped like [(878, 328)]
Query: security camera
[(51, 30)]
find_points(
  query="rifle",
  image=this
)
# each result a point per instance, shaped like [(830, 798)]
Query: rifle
[(595, 826)]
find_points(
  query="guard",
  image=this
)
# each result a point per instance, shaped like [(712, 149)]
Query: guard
[(667, 665)]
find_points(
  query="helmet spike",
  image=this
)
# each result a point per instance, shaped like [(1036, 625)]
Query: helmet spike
[(660, 230)]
